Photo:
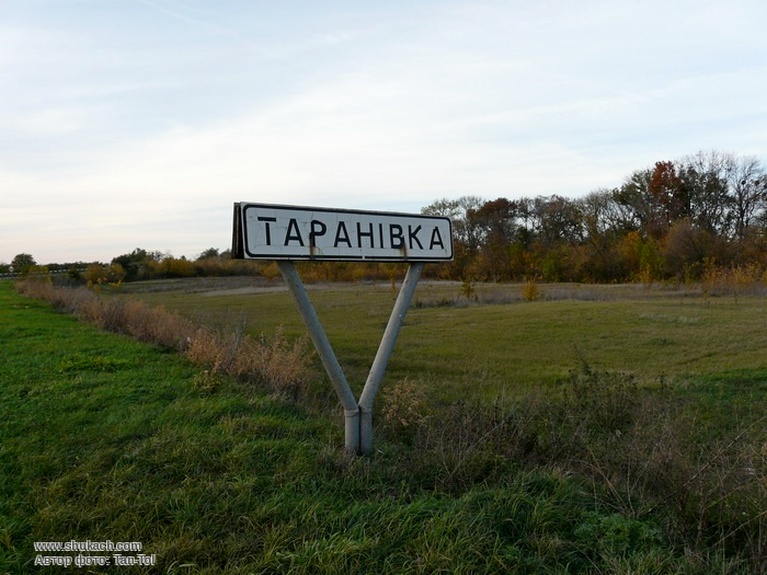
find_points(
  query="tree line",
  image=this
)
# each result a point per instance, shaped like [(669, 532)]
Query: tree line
[(139, 264), (673, 220)]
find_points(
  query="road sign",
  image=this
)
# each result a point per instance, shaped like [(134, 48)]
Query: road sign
[(287, 233), (274, 232)]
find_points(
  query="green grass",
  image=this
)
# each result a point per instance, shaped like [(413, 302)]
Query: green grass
[(104, 438), (513, 348)]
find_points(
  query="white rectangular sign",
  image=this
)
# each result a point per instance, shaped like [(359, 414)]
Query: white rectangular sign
[(272, 232)]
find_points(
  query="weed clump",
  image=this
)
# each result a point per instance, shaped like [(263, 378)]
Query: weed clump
[(404, 409), (643, 451), (530, 290)]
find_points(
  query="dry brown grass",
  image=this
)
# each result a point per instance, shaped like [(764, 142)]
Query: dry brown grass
[(275, 362), (747, 279), (404, 408)]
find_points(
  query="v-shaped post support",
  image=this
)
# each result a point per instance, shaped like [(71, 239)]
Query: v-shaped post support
[(358, 415)]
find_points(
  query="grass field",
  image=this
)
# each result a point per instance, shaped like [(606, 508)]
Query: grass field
[(510, 348), (104, 438)]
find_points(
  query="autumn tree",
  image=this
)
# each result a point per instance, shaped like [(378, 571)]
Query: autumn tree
[(670, 197), (557, 219), (669, 220), (496, 223)]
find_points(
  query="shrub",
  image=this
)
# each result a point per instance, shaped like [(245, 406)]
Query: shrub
[(530, 291), (99, 274)]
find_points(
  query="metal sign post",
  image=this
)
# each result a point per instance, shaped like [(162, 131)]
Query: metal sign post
[(328, 358), (377, 370), (288, 233)]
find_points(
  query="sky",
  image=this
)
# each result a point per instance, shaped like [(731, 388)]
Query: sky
[(139, 123)]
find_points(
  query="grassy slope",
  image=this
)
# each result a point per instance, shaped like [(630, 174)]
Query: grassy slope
[(104, 438)]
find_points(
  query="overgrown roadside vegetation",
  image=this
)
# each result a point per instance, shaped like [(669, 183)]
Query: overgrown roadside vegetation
[(219, 470)]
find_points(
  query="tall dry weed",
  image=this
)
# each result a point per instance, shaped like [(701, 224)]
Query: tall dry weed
[(204, 347), (284, 364), (404, 409), (277, 363), (746, 279), (530, 290)]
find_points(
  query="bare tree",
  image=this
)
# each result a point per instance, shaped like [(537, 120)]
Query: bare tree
[(748, 188), (706, 176), (459, 211)]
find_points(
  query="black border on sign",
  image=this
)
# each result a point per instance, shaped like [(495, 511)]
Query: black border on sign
[(240, 235), (238, 249)]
